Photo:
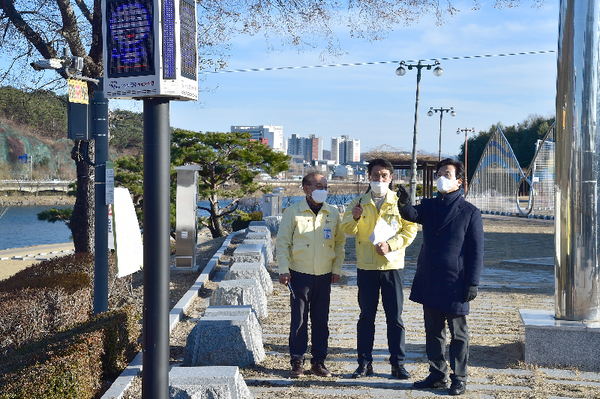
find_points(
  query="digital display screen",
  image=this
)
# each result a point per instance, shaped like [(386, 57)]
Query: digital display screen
[(168, 37), (130, 39), (189, 58)]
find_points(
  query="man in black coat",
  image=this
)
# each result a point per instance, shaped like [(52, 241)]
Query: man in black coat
[(448, 272)]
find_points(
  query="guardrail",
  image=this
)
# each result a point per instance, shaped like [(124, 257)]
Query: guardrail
[(35, 186)]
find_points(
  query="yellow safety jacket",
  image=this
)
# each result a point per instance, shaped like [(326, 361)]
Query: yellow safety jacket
[(309, 243), (367, 257)]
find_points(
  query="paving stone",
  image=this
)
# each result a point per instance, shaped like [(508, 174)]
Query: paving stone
[(240, 271), (323, 392), (272, 223), (270, 249), (497, 387), (255, 227), (559, 373), (569, 382), (250, 253), (388, 393), (510, 371), (207, 382), (241, 292), (237, 343)]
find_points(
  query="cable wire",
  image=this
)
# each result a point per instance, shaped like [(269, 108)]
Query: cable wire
[(380, 62)]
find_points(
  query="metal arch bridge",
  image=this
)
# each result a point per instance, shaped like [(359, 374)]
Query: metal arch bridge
[(500, 186)]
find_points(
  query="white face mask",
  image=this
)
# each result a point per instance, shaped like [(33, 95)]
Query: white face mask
[(379, 188), (319, 196), (444, 184)]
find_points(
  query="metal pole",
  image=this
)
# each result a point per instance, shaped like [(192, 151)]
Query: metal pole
[(413, 167), (466, 160), (440, 147), (577, 272), (100, 126), (155, 345)]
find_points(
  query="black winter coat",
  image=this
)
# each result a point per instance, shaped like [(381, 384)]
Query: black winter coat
[(451, 257)]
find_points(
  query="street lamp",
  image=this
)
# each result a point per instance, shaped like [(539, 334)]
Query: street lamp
[(467, 131), (401, 71), (441, 110)]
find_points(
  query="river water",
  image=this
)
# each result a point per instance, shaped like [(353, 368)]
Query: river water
[(19, 227)]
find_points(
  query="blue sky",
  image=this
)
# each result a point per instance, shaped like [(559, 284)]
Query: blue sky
[(372, 103)]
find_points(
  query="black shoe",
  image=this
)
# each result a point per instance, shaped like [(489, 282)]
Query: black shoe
[(457, 387), (297, 369), (363, 370), (320, 370), (400, 372), (432, 381)]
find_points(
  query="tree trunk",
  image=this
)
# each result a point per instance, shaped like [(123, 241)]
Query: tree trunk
[(216, 221), (82, 220)]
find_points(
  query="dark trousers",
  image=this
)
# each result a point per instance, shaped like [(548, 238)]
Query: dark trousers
[(435, 343), (370, 282), (312, 297)]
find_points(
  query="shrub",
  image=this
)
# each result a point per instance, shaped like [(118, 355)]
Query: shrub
[(52, 296), (31, 314), (242, 222), (51, 344), (71, 364)]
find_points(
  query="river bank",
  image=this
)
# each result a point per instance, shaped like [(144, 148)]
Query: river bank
[(40, 200)]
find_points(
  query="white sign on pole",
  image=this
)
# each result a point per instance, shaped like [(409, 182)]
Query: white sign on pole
[(111, 230), (128, 237), (110, 183)]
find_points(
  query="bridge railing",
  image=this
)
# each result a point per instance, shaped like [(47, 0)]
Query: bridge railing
[(34, 186)]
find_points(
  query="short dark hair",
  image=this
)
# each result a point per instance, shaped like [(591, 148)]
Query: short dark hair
[(459, 168), (310, 178), (383, 163)]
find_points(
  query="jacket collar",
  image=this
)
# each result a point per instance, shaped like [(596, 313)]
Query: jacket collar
[(389, 196), (304, 206), (450, 205)]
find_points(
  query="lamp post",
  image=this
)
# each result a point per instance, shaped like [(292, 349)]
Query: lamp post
[(441, 110), (466, 148), (401, 71)]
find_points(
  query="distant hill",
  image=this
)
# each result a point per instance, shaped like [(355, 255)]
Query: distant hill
[(51, 158), (35, 123)]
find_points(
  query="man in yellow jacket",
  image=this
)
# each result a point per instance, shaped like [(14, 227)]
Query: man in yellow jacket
[(380, 266), (310, 252)]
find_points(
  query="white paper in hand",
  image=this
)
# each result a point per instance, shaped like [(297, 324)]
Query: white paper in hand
[(383, 232)]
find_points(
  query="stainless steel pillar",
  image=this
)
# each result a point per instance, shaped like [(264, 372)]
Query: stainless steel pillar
[(577, 162), (186, 216)]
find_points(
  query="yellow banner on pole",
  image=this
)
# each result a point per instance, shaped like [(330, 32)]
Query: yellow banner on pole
[(78, 91)]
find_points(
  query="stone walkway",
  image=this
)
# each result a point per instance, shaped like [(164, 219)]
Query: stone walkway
[(496, 349)]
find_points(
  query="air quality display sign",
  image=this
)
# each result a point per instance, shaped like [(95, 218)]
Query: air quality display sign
[(189, 57), (150, 49), (130, 38), (168, 39)]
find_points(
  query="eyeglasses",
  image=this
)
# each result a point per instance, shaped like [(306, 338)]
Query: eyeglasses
[(319, 186)]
